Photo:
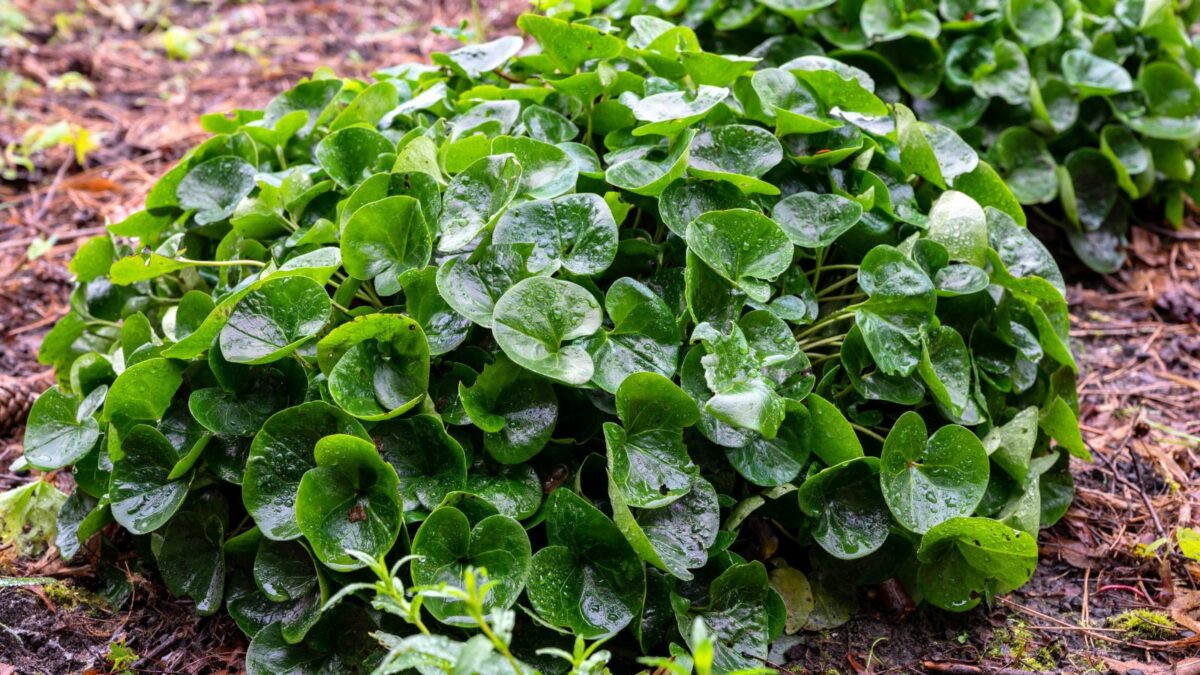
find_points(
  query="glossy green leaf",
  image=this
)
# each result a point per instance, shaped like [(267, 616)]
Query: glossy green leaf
[(536, 322), (736, 153), (142, 392), (576, 233), (649, 177), (813, 220), (546, 170), (55, 433), (851, 516), (588, 578), (191, 558), (964, 557), (1011, 444), (385, 239), (743, 247), (569, 45), (1026, 164), (927, 482), (279, 457), (476, 198), (1036, 22), (684, 200), (348, 155), (945, 368), (901, 302), (447, 544), (735, 612), (472, 283), (214, 188), (668, 113), (429, 462), (378, 365), (674, 538), (272, 320), (1093, 75), (644, 337), (142, 494), (516, 410), (349, 500)]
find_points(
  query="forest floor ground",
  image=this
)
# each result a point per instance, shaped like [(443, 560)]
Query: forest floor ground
[(1135, 332)]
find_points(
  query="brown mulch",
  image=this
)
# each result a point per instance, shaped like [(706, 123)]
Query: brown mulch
[(1135, 333)]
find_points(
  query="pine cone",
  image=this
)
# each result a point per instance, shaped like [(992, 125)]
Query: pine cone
[(17, 394)]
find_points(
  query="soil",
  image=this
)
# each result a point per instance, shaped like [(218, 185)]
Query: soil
[(1135, 332)]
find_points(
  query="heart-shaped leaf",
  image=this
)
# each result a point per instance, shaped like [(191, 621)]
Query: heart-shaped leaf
[(647, 460), (644, 336), (191, 558), (279, 457), (214, 188), (649, 177), (348, 155), (142, 493), (927, 482), (55, 434), (743, 246), (573, 232), (674, 538), (272, 320), (535, 322), (851, 516), (684, 200), (901, 303), (515, 409), (446, 544), (385, 239), (476, 198), (546, 170), (813, 220), (736, 613), (348, 501), (963, 558), (588, 578), (378, 365), (429, 462), (736, 153)]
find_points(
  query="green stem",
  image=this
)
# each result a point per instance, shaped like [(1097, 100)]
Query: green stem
[(823, 342), (821, 324), (848, 296), (837, 284), (222, 263), (477, 18), (822, 358), (820, 262), (499, 644), (827, 268), (749, 505), (372, 296), (867, 432), (102, 322)]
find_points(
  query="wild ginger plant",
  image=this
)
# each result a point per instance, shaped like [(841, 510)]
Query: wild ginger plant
[(577, 312)]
